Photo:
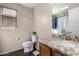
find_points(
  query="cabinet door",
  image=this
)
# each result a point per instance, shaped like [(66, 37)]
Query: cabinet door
[(44, 50), (56, 52)]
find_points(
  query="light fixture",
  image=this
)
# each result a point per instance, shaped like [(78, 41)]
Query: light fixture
[(55, 11)]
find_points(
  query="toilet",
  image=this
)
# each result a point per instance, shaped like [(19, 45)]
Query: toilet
[(28, 46)]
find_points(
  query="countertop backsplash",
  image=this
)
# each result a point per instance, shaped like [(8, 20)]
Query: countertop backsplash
[(67, 37)]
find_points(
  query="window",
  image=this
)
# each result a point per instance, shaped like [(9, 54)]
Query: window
[(8, 19)]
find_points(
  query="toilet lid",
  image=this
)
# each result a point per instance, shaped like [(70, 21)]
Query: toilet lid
[(28, 43)]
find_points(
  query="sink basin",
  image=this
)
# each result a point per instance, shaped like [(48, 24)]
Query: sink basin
[(63, 43)]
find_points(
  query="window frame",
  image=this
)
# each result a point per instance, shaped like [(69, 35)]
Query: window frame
[(3, 27)]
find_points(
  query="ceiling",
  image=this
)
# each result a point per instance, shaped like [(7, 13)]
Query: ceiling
[(33, 5), (54, 5), (30, 5)]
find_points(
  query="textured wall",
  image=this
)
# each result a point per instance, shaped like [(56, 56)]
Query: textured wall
[(8, 37), (42, 21)]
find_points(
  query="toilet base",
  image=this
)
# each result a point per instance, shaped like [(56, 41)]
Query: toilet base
[(27, 50)]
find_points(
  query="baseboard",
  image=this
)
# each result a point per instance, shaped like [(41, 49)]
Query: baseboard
[(10, 51)]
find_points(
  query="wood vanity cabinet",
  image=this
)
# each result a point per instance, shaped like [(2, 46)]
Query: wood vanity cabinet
[(44, 50)]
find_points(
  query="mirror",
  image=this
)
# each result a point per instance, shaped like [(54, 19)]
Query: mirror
[(73, 22), (59, 19), (65, 18)]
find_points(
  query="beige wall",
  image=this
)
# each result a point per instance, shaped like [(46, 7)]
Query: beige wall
[(8, 37), (42, 21)]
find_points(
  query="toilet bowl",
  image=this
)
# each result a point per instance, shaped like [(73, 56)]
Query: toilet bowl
[(28, 46)]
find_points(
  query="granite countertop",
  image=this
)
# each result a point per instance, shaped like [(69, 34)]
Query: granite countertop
[(72, 49)]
